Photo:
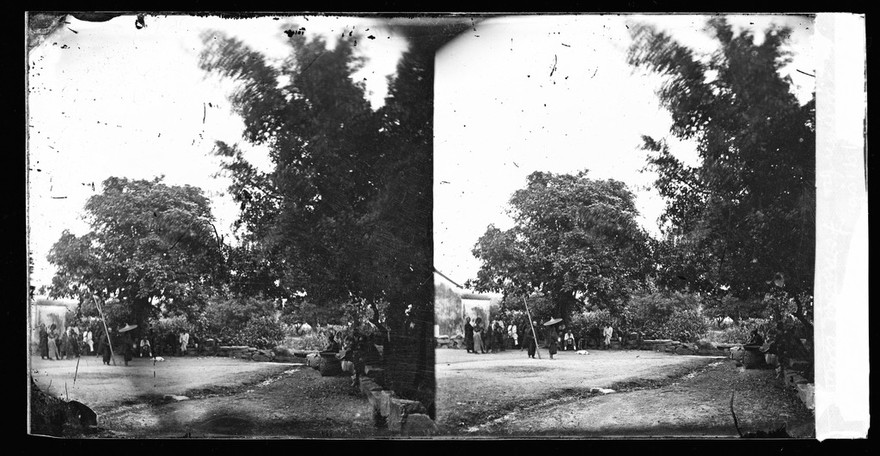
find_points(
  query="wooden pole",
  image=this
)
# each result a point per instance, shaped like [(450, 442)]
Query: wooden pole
[(535, 335), (76, 371), (106, 330)]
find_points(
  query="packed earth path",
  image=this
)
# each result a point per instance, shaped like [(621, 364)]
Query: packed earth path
[(205, 397), (654, 394)]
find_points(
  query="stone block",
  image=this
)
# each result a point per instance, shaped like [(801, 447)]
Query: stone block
[(399, 410), (375, 398), (418, 424), (806, 394), (385, 397)]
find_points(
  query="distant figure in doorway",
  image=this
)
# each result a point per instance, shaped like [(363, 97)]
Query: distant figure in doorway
[(468, 335), (607, 333), (479, 348), (53, 343), (44, 342), (184, 342)]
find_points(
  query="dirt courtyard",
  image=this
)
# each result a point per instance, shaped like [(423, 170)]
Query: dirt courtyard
[(216, 397), (656, 394)]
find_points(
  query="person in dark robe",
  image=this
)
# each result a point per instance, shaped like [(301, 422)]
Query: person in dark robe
[(499, 335), (489, 338), (44, 342), (552, 339), (468, 335), (127, 345), (529, 340), (104, 347)]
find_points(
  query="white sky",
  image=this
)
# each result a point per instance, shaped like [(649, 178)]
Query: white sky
[(112, 100), (502, 112)]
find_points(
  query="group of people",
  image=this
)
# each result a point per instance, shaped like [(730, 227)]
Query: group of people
[(494, 337), (491, 338), (56, 344)]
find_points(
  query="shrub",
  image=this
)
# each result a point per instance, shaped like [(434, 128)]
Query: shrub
[(588, 324), (684, 326), (665, 315), (261, 332), (242, 321)]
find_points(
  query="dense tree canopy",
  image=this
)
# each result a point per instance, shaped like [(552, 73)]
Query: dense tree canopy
[(345, 213), (152, 247), (576, 240), (746, 211)]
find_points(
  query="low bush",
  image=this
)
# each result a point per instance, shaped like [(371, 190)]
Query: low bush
[(665, 315)]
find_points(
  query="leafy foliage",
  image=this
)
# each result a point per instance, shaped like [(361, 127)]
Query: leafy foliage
[(261, 332), (747, 210), (589, 324), (576, 240), (152, 250), (665, 315), (344, 216)]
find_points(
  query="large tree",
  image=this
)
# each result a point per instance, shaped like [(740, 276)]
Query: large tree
[(152, 248), (345, 213), (746, 211), (575, 239)]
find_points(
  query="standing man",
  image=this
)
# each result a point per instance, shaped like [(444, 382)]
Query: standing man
[(184, 341), (552, 340), (87, 340), (607, 332), (44, 342), (529, 339), (468, 335)]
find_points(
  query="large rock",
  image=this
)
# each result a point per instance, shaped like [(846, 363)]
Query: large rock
[(399, 410), (418, 424), (313, 360), (806, 395), (384, 397)]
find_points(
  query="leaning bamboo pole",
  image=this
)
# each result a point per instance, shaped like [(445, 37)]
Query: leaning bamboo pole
[(531, 325), (106, 330)]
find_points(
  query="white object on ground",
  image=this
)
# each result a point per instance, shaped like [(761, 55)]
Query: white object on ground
[(583, 352)]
